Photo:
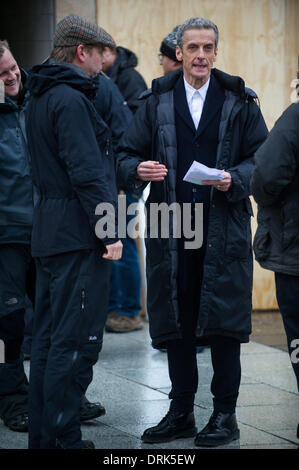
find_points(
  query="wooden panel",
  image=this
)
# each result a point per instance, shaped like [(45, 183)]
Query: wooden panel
[(258, 40), (86, 9)]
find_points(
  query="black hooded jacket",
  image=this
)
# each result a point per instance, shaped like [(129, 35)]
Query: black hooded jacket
[(129, 81), (275, 183), (72, 163)]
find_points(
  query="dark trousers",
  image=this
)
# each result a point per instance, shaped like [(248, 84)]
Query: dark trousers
[(70, 314), (182, 363), (287, 293), (16, 279)]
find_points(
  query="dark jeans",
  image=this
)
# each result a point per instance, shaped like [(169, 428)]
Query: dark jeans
[(13, 381), (287, 293), (70, 314), (16, 278), (182, 362), (125, 286)]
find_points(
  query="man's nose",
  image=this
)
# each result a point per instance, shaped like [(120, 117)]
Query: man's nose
[(11, 76), (201, 52)]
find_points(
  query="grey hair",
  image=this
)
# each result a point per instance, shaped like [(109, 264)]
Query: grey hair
[(192, 23)]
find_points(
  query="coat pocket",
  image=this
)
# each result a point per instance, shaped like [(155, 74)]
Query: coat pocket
[(238, 232)]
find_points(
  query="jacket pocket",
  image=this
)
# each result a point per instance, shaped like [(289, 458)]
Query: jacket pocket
[(238, 231), (289, 224)]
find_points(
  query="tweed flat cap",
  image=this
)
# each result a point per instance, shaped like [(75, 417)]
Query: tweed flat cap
[(74, 30)]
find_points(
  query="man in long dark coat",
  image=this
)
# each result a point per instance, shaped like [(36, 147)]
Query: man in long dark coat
[(203, 295)]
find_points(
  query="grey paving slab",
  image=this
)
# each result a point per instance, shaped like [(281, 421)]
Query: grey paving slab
[(270, 418), (283, 379), (12, 440), (131, 380), (271, 446), (262, 394), (155, 378), (253, 348), (111, 389)]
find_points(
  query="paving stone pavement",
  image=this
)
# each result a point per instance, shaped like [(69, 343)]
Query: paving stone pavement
[(131, 381)]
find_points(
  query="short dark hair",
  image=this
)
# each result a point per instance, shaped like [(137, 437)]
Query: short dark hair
[(68, 53), (193, 23), (3, 45)]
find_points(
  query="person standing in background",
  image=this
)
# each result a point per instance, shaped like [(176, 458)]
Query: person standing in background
[(167, 55), (125, 289)]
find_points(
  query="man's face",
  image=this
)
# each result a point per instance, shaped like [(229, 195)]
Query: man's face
[(109, 58), (198, 55), (93, 61), (168, 64), (10, 74)]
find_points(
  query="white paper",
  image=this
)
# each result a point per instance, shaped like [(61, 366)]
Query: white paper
[(199, 172)]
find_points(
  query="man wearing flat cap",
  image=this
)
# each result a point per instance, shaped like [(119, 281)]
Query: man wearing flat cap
[(72, 170)]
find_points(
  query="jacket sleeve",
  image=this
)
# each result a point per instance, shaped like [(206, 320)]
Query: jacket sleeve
[(84, 162), (112, 108), (135, 147), (131, 84), (252, 134), (276, 161)]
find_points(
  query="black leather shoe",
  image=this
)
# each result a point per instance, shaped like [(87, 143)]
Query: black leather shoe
[(18, 423), (221, 429), (90, 410), (174, 425)]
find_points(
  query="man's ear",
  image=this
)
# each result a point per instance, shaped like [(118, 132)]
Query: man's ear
[(80, 53), (178, 54)]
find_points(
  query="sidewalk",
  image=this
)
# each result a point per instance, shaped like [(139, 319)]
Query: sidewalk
[(131, 381)]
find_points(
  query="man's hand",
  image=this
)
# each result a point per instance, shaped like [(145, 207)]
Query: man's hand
[(221, 185), (151, 171), (114, 251)]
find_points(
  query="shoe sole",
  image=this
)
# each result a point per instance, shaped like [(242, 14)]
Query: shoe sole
[(152, 440), (95, 415), (14, 429), (212, 443)]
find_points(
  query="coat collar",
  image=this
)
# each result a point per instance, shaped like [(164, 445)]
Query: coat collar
[(214, 100)]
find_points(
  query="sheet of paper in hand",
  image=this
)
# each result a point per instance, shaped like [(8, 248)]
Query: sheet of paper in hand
[(199, 172)]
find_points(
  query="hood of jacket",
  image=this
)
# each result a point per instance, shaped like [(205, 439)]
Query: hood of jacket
[(125, 58), (52, 73)]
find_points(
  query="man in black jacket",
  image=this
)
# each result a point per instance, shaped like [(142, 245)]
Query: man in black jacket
[(275, 187), (197, 295), (119, 63), (72, 170), (16, 264)]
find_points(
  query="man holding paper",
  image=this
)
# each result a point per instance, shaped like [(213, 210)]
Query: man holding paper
[(198, 296)]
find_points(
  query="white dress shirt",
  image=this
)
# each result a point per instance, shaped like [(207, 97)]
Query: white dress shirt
[(195, 100)]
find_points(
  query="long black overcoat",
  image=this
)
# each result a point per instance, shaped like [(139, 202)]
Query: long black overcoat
[(226, 293)]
